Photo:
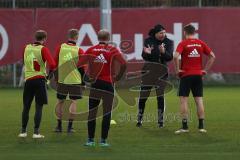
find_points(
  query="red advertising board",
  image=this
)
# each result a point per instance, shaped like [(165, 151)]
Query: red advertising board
[(16, 29), (219, 28)]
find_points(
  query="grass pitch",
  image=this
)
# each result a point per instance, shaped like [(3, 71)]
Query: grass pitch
[(128, 142)]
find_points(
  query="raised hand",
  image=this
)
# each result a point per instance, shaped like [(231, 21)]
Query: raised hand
[(162, 48), (148, 49)]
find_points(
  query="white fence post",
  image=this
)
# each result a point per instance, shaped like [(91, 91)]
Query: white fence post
[(14, 65), (106, 12), (199, 3)]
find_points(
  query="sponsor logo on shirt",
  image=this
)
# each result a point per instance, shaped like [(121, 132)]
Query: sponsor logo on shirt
[(194, 53), (194, 45), (100, 59), (100, 50)]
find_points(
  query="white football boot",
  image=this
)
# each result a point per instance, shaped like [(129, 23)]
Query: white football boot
[(37, 136), (180, 131), (202, 130), (22, 135)]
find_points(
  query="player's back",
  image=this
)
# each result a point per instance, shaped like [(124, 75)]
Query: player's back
[(100, 65), (68, 56), (192, 51)]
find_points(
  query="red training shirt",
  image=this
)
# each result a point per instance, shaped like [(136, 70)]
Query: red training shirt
[(191, 51), (101, 61)]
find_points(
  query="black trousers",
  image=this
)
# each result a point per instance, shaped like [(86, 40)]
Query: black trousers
[(33, 88), (145, 93), (100, 90)]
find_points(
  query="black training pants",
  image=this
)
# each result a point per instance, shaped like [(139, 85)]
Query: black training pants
[(100, 90)]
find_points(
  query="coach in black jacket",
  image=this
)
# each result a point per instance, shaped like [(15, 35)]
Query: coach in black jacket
[(159, 50)]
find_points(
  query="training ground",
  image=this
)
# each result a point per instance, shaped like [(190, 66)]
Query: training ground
[(128, 142)]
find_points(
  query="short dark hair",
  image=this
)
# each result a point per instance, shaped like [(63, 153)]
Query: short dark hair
[(40, 35), (189, 29), (103, 35), (72, 33)]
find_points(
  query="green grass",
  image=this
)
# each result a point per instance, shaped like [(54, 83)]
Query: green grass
[(128, 142)]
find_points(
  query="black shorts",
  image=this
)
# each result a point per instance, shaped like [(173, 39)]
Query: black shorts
[(191, 83), (35, 88), (73, 90)]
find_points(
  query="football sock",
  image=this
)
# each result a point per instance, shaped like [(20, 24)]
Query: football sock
[(184, 124), (201, 125), (103, 140), (90, 139), (24, 130), (70, 123), (36, 131), (59, 126)]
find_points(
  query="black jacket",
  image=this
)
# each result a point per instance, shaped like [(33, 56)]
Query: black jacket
[(155, 55)]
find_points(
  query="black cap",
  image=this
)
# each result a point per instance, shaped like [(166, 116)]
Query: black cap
[(157, 28)]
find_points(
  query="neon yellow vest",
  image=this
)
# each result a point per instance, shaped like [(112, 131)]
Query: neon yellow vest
[(67, 65), (33, 53)]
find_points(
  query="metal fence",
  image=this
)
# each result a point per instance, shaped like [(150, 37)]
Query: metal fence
[(116, 3), (10, 75)]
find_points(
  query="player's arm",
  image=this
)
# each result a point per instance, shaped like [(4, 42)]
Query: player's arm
[(123, 65), (211, 59), (23, 51), (85, 61), (56, 60), (50, 61), (81, 68), (56, 56), (176, 58)]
